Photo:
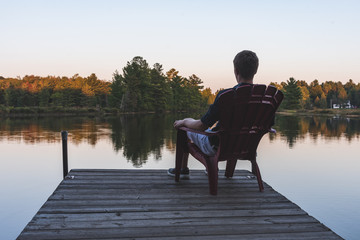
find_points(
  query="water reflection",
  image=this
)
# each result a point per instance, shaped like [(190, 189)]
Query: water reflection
[(141, 135), (321, 181), (294, 128), (138, 136)]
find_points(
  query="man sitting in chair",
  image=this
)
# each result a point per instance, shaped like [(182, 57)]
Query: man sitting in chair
[(245, 67)]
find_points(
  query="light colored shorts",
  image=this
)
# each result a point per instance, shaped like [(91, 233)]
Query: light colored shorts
[(202, 142)]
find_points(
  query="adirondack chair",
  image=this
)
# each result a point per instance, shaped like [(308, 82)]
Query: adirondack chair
[(246, 114)]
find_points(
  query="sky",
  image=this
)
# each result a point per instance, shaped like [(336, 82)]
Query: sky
[(305, 39)]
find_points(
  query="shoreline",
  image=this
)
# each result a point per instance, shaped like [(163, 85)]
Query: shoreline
[(96, 111), (68, 111), (353, 113)]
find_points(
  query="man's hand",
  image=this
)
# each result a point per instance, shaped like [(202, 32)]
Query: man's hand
[(178, 123), (190, 123)]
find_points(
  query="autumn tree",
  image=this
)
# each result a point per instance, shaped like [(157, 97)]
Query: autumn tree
[(208, 96), (320, 102), (342, 96)]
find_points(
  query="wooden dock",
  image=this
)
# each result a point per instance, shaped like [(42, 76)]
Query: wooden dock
[(148, 204)]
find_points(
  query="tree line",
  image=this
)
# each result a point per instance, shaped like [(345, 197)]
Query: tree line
[(301, 95), (139, 88), (48, 91), (143, 88)]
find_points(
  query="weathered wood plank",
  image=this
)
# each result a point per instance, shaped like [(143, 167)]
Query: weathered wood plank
[(191, 231), (156, 193), (119, 215), (141, 171), (114, 185), (112, 195), (159, 200), (154, 212), (241, 174), (97, 204), (160, 182), (157, 176), (268, 236), (167, 202), (61, 223), (147, 204)]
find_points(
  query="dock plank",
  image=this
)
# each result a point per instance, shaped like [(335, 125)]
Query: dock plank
[(147, 204)]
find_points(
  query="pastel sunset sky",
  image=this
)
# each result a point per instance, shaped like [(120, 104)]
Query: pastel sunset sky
[(305, 39)]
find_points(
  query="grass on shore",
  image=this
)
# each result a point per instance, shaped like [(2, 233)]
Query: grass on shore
[(326, 112), (68, 111), (55, 110)]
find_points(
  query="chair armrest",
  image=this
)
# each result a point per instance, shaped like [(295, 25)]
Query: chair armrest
[(198, 131)]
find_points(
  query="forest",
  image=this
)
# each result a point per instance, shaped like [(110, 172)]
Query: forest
[(301, 95), (139, 88), (143, 88)]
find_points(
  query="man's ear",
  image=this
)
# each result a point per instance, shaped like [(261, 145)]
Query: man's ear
[(235, 71), (237, 75)]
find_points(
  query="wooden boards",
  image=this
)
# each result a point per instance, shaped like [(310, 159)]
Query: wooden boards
[(148, 204)]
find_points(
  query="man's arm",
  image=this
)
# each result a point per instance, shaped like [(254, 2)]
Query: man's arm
[(190, 123)]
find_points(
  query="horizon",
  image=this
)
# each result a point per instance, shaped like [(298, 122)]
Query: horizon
[(164, 71), (305, 40)]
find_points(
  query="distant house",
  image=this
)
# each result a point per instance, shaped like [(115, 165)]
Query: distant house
[(344, 105), (348, 105)]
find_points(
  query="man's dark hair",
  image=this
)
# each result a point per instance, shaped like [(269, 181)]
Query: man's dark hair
[(246, 64)]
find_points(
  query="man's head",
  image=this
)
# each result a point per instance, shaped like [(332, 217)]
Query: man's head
[(245, 65)]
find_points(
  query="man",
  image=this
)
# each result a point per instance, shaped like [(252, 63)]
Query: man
[(245, 67)]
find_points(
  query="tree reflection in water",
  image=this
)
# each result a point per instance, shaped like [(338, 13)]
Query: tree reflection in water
[(293, 128), (140, 135)]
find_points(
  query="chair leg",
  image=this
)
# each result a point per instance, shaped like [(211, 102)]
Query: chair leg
[(213, 173), (256, 171), (230, 167), (181, 152)]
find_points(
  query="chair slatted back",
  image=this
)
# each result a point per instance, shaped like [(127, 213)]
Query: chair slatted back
[(246, 114)]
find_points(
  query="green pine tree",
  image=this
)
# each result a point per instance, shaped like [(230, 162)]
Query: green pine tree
[(292, 94)]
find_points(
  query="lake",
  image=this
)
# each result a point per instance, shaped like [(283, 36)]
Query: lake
[(313, 161)]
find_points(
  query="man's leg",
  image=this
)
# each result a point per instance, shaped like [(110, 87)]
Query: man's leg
[(182, 155), (202, 142)]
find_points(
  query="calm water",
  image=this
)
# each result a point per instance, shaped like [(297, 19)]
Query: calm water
[(313, 161)]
